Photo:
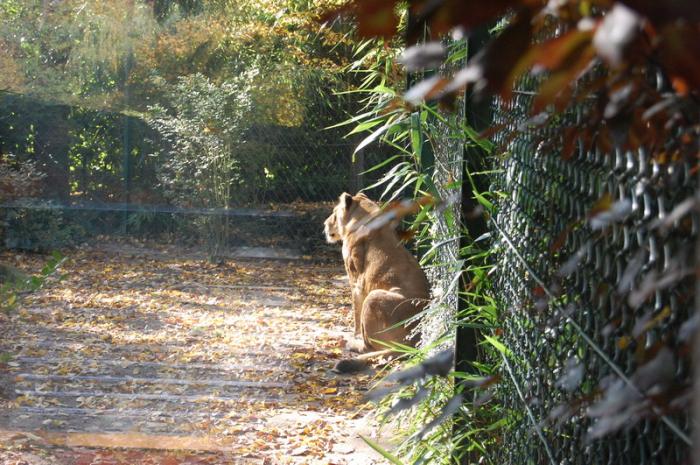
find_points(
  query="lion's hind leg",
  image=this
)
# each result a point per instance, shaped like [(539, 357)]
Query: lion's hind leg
[(383, 314), (381, 321)]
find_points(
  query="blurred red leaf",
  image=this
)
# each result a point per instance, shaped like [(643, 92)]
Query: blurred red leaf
[(680, 86), (560, 240), (444, 15), (680, 53), (622, 107), (558, 82), (604, 204), (491, 68), (538, 291), (666, 11), (566, 57), (558, 52), (571, 135), (375, 18)]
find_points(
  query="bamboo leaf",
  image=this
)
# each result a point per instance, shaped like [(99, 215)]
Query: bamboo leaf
[(365, 126), (416, 135), (498, 345), (371, 138), (381, 164), (383, 452)]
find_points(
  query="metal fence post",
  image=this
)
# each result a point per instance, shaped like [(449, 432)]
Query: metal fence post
[(477, 114), (126, 134), (126, 170)]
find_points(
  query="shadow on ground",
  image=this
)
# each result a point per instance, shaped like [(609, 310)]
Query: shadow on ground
[(151, 353)]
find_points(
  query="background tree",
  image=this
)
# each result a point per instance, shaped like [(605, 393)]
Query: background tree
[(202, 129), (99, 69)]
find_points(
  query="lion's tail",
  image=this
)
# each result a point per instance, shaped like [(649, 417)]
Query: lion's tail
[(359, 363)]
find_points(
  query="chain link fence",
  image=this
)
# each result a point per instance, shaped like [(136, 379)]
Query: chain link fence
[(443, 156), (594, 255), (99, 173), (594, 276)]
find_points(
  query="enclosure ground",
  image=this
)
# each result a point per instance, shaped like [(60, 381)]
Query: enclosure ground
[(153, 355)]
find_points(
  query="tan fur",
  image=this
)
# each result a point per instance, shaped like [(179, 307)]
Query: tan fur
[(388, 286)]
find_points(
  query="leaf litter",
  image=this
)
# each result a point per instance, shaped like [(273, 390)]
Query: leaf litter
[(234, 356)]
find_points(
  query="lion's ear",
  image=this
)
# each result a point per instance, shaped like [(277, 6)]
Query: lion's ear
[(346, 200)]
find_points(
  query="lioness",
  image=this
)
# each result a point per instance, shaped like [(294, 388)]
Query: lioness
[(388, 286)]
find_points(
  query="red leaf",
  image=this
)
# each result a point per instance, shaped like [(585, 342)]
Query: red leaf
[(604, 204), (554, 89), (490, 69), (566, 57), (680, 53), (562, 51), (375, 18), (560, 240), (666, 11), (571, 135), (444, 15), (680, 86)]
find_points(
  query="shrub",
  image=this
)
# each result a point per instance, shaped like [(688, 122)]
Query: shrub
[(202, 128), (39, 227)]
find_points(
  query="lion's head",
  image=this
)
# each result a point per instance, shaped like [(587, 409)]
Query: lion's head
[(347, 213)]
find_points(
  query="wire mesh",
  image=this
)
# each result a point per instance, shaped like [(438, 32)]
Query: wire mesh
[(598, 369), (443, 154), (102, 173)]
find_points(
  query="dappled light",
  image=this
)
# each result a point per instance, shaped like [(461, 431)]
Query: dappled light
[(145, 350), (335, 232)]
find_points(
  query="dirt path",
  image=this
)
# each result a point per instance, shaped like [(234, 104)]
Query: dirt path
[(140, 357)]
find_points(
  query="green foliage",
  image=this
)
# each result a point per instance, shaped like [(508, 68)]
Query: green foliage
[(40, 227), (82, 78), (415, 134), (13, 283), (202, 128), (96, 153), (118, 54), (73, 49), (383, 452), (433, 429)]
